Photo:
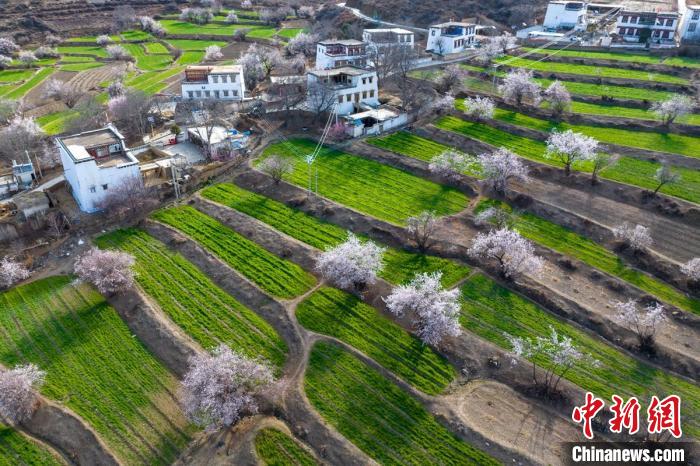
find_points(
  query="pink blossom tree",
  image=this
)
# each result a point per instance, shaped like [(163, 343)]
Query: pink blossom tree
[(435, 311), (514, 254), (213, 52), (18, 392), (500, 167), (674, 107), (220, 388), (479, 108), (109, 271), (635, 236), (568, 147), (422, 227), (11, 272), (691, 269), (517, 86), (643, 321), (351, 264), (337, 132), (558, 350), (451, 164), (558, 98)]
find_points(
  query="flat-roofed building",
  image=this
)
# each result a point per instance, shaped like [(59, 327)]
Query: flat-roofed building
[(213, 82), (347, 88), (335, 53), (641, 26), (389, 37), (451, 37)]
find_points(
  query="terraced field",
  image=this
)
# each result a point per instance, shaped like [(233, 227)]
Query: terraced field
[(627, 112), (204, 311), (276, 276), (343, 316), (589, 70), (180, 27), (649, 140), (491, 311), (147, 61), (370, 187), (55, 123), (95, 367), (152, 82), (399, 266), (574, 245), (94, 50), (619, 56), (15, 449), (19, 91), (275, 448), (373, 413), (627, 170)]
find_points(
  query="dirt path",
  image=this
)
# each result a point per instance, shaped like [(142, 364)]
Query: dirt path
[(674, 240), (498, 411)]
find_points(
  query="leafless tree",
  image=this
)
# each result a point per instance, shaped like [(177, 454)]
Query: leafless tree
[(422, 228), (89, 114), (123, 18), (276, 166), (211, 114), (664, 175), (320, 98), (130, 111), (599, 161), (8, 109), (288, 95), (440, 46), (56, 224), (20, 137), (129, 199), (451, 79)]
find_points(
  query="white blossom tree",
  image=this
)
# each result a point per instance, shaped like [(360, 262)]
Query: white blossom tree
[(246, 4), (305, 12), (450, 79), (451, 164), (505, 42), (568, 147), (5, 61), (691, 269), (500, 167), (664, 175), (213, 52), (196, 15), (435, 311), (103, 40), (149, 24), (231, 17), (674, 107), (7, 46), (643, 321), (304, 43), (60, 90), (18, 392), (109, 271), (599, 161), (46, 52), (116, 89), (515, 255), (495, 216), (220, 388), (558, 98), (440, 105), (421, 227), (21, 135), (479, 108), (11, 272), (27, 58), (117, 52), (488, 52), (635, 236), (558, 350), (8, 109), (517, 86), (276, 166), (353, 263)]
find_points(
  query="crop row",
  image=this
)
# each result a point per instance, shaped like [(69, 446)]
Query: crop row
[(619, 56), (147, 61), (95, 367), (399, 266), (367, 186), (15, 449), (343, 316), (276, 276), (277, 448), (204, 311), (373, 413), (627, 170), (492, 312)]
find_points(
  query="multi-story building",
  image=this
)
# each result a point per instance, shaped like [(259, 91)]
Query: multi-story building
[(689, 28), (655, 27), (450, 37), (379, 38), (337, 53), (562, 14), (95, 162), (345, 88), (213, 82)]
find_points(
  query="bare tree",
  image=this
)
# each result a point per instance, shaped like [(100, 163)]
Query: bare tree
[(569, 147), (123, 18), (435, 310), (664, 175), (8, 109), (635, 236), (600, 161), (20, 137), (515, 255), (57, 224), (11, 272), (289, 95), (351, 264), (220, 388), (59, 90), (109, 271), (644, 322), (440, 46), (130, 110), (18, 392), (89, 114), (500, 167), (276, 166), (450, 80), (320, 98), (421, 227)]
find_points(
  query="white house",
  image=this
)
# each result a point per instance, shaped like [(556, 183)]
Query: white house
[(379, 38), (373, 121), (689, 28), (337, 53), (213, 82), (656, 27), (94, 162), (450, 37), (348, 87), (562, 14)]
